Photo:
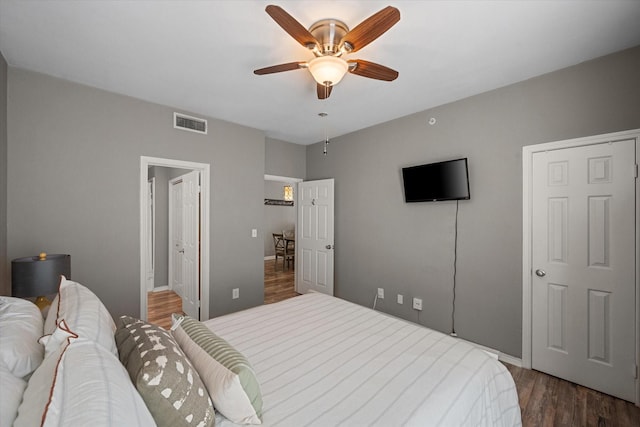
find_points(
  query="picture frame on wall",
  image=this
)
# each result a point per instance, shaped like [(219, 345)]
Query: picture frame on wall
[(277, 202)]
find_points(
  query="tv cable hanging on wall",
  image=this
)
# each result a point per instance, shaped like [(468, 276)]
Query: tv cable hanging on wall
[(455, 268)]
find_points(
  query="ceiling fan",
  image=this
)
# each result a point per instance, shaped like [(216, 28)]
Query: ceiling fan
[(329, 40)]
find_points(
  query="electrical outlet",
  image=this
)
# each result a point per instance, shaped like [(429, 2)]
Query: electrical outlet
[(417, 304), (400, 299), (254, 232), (235, 293), (381, 293)]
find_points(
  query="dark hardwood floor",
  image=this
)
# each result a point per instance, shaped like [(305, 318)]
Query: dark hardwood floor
[(279, 282), (545, 401), (549, 401)]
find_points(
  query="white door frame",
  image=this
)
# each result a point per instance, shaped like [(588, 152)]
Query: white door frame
[(205, 256), (527, 238)]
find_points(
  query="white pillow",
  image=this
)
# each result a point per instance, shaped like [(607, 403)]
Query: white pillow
[(12, 390), (20, 328), (227, 374), (62, 335), (84, 313), (82, 384), (52, 315)]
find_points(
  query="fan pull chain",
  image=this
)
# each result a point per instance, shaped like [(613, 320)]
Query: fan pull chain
[(326, 136)]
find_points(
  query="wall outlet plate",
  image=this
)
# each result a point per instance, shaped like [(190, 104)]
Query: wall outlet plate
[(381, 293), (235, 293), (417, 304), (400, 299)]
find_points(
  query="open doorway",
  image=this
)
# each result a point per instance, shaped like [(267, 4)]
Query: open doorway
[(155, 245), (279, 218)]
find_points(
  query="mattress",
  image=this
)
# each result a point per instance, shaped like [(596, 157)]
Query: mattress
[(323, 361)]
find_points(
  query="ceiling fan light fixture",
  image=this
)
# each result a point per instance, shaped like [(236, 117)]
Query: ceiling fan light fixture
[(329, 69)]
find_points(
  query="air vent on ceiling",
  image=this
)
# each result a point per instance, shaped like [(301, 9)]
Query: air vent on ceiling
[(193, 124)]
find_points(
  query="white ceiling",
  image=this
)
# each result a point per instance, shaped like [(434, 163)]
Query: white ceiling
[(198, 56)]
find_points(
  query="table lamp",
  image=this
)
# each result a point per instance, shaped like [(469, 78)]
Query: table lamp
[(39, 276)]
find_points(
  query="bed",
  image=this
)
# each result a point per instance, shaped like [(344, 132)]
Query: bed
[(312, 360), (323, 361)]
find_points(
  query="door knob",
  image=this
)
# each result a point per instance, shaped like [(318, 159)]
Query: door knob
[(329, 247), (541, 273)]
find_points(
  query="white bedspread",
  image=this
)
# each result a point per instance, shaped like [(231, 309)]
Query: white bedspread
[(323, 361)]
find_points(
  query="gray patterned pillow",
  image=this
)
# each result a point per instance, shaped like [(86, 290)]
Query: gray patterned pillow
[(164, 377)]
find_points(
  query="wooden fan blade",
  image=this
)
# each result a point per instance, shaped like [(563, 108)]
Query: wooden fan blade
[(371, 28), (372, 70), (323, 91), (291, 26), (279, 68)]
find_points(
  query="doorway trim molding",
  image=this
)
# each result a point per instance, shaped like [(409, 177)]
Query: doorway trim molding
[(527, 238), (205, 209), (281, 178)]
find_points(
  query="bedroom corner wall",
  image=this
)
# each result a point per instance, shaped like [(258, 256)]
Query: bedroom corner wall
[(74, 183), (285, 159), (408, 248), (5, 268), (281, 159)]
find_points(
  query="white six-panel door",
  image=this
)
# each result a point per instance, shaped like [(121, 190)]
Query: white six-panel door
[(184, 245), (191, 241), (314, 240), (583, 266), (149, 261), (176, 238)]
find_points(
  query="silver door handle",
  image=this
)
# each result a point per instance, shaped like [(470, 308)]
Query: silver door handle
[(541, 273), (181, 251), (329, 247)]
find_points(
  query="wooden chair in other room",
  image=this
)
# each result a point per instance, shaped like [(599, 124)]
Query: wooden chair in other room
[(289, 248), (280, 247)]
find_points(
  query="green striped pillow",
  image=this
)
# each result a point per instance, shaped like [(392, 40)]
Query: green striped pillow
[(227, 374)]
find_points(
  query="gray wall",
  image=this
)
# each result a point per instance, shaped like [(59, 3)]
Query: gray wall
[(408, 248), (5, 284), (73, 187), (287, 160)]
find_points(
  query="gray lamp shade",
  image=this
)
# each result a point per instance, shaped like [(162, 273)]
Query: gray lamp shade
[(31, 277)]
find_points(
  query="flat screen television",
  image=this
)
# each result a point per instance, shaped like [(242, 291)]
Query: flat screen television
[(437, 181)]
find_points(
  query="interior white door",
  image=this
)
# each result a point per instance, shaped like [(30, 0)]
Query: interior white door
[(314, 240), (191, 243), (176, 236), (583, 258), (150, 234)]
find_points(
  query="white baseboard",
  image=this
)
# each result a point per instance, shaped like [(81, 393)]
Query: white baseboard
[(268, 257), (160, 288), (503, 357), (511, 360)]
